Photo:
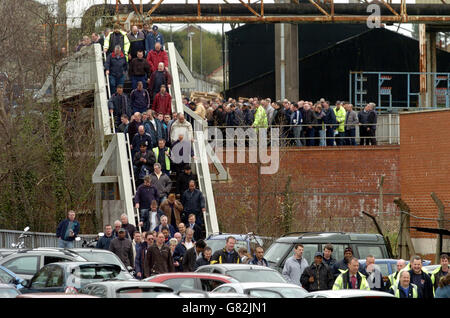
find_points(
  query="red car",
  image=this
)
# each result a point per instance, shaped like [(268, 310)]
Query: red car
[(191, 281)]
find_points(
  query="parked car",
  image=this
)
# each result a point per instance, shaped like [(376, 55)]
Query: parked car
[(349, 293), (263, 290), (362, 245), (54, 295), (191, 281), (9, 277), (126, 289), (8, 291), (249, 241), (69, 277), (244, 272), (25, 263), (7, 251), (202, 294)]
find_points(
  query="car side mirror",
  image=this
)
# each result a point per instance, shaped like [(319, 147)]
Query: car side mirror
[(25, 283)]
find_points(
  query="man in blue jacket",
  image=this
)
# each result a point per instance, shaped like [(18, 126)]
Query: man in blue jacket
[(67, 230), (103, 242), (116, 67)]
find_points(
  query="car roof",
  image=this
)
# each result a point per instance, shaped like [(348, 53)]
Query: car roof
[(330, 237), (55, 295), (128, 283), (75, 264), (348, 293), (7, 286), (46, 250), (190, 275), (223, 236), (247, 285), (230, 267)]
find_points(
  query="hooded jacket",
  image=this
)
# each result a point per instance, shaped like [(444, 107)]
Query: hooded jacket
[(117, 65), (123, 248)]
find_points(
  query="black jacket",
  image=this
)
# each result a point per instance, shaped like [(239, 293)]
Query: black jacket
[(323, 278), (426, 290), (123, 248), (190, 257), (120, 105), (183, 180), (201, 261), (116, 65), (221, 257), (197, 231)]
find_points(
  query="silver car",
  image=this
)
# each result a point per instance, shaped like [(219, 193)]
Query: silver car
[(126, 289), (263, 290), (244, 272), (349, 293)]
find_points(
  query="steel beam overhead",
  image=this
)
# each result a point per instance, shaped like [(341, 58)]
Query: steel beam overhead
[(311, 12)]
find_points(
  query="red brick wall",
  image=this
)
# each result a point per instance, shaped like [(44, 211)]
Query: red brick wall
[(425, 165), (331, 186)]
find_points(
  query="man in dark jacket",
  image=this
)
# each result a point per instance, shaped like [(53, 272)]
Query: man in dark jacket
[(308, 125), (143, 162), (198, 233), (258, 258), (421, 279), (227, 255), (330, 123), (123, 248), (159, 259), (140, 99), (193, 201), (137, 42), (130, 228), (116, 67), (157, 79), (184, 178), (145, 194), (139, 139), (67, 231), (368, 122), (140, 257), (205, 259), (317, 276), (180, 250), (139, 70), (328, 258), (342, 265), (191, 255), (105, 240), (119, 105)]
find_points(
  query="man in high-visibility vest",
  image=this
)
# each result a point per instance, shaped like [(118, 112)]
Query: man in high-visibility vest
[(393, 278), (118, 37), (162, 155), (439, 272), (404, 288), (351, 278)]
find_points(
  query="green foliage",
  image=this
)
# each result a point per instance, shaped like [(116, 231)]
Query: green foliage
[(211, 47)]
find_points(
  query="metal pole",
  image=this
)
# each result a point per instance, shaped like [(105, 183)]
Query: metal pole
[(201, 52), (282, 64)]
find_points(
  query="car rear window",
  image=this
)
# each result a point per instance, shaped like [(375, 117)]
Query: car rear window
[(96, 272), (255, 275), (107, 258), (134, 292), (366, 250)]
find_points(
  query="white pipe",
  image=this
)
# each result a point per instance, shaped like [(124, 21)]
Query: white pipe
[(282, 64)]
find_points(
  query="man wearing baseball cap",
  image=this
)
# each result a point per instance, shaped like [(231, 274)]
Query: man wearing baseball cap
[(152, 38), (342, 265), (123, 248), (318, 276)]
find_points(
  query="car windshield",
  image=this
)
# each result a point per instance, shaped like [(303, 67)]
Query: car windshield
[(134, 292), (220, 244), (8, 293), (107, 258), (255, 275), (276, 252)]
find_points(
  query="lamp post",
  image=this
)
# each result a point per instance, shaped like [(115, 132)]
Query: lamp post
[(190, 35)]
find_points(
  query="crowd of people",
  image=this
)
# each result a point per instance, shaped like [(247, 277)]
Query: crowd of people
[(180, 247)]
